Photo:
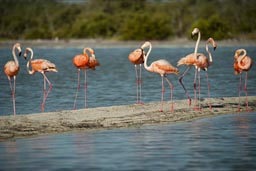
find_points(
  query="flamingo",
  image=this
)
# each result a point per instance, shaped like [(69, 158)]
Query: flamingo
[(42, 66), (203, 63), (161, 67), (84, 62), (189, 60), (11, 69), (242, 63), (136, 58)]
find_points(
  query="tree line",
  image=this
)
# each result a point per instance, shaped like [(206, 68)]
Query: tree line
[(127, 19)]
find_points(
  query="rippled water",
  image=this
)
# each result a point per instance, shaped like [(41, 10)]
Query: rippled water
[(113, 83), (221, 143)]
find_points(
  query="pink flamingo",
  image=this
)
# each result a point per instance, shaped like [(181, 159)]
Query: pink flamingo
[(163, 68), (242, 63), (203, 63), (42, 66), (189, 60), (85, 62), (137, 58), (11, 69)]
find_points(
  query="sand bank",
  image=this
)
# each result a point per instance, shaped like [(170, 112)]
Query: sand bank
[(114, 117)]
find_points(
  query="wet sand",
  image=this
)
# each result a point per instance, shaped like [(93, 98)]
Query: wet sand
[(115, 117)]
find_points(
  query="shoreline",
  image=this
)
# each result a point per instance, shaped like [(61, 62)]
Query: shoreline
[(113, 117), (102, 43)]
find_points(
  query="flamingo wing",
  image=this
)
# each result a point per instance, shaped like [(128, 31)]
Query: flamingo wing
[(164, 67), (43, 65)]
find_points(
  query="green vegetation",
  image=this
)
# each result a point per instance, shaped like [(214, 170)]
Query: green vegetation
[(127, 19)]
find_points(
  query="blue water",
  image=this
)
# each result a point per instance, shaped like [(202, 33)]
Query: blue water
[(221, 143), (113, 83)]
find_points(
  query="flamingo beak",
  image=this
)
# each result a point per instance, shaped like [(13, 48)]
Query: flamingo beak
[(25, 56), (20, 53), (214, 47)]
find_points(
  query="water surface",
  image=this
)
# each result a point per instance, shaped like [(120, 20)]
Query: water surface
[(221, 143), (113, 83)]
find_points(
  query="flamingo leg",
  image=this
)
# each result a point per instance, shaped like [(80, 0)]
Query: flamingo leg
[(245, 91), (239, 92), (140, 85), (209, 87), (137, 83), (180, 80), (162, 97), (85, 89), (171, 87), (195, 98), (199, 89), (77, 89), (46, 93), (13, 93)]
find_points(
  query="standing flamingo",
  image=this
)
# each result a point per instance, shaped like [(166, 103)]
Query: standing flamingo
[(137, 58), (83, 61), (163, 68), (11, 69), (42, 66), (189, 60), (242, 63), (203, 63)]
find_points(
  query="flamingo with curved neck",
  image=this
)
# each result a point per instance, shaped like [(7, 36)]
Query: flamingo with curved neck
[(42, 66), (161, 67), (11, 69), (242, 63)]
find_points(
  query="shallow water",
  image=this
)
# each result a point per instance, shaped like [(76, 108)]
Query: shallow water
[(113, 83), (225, 142)]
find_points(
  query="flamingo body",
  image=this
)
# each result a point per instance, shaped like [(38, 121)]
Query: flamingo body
[(136, 57), (42, 65), (11, 69), (80, 61), (163, 67)]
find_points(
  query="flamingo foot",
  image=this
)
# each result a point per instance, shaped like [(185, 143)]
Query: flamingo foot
[(140, 103), (196, 108), (189, 102)]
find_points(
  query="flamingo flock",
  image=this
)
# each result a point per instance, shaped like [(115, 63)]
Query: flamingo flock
[(139, 58)]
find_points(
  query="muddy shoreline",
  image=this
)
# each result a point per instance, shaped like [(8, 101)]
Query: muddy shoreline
[(115, 117)]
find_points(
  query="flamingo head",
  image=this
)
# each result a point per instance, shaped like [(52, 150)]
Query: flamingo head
[(17, 45), (146, 44), (195, 31), (239, 51), (211, 40)]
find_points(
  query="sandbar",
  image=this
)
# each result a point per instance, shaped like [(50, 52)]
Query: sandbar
[(112, 117)]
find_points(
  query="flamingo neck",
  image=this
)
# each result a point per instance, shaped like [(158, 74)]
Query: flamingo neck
[(197, 44), (208, 51), (14, 55), (29, 62), (146, 58)]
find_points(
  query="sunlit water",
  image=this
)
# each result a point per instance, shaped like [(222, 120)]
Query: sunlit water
[(219, 143), (113, 83)]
